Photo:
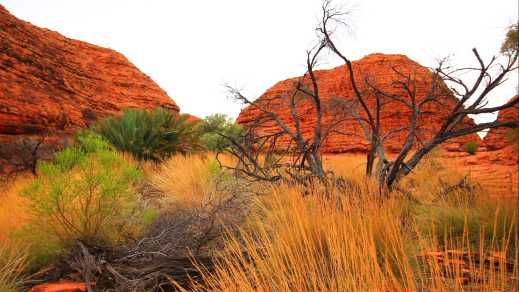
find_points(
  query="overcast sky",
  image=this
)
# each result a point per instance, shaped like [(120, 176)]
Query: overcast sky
[(192, 48)]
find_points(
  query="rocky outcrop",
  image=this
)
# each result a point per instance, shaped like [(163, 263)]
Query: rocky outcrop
[(51, 83), (335, 89), (60, 287), (500, 138), (502, 144)]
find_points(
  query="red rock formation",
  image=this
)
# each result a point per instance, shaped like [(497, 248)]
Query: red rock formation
[(497, 138), (49, 82), (60, 287), (501, 143), (335, 84)]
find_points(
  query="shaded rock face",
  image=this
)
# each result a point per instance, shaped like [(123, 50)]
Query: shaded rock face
[(499, 138), (336, 90), (502, 143), (52, 83)]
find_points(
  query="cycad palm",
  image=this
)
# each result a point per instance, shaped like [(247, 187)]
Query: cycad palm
[(150, 135)]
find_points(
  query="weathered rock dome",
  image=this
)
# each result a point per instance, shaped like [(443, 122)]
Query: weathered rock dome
[(380, 70), (49, 82)]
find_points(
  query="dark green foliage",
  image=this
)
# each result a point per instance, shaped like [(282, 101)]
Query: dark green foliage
[(471, 147), (150, 135), (213, 127), (511, 43)]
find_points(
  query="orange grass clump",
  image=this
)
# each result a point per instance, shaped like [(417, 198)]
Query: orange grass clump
[(13, 207)]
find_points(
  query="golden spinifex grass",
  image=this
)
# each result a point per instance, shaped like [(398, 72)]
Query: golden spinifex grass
[(313, 244), (12, 265), (184, 179), (298, 242), (13, 207)]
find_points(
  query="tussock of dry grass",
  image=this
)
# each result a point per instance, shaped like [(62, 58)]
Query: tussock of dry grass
[(12, 265), (13, 211), (184, 179), (311, 243), (308, 244)]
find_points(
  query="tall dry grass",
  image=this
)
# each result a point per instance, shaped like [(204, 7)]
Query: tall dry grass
[(311, 243), (12, 266), (13, 207), (185, 179), (290, 240)]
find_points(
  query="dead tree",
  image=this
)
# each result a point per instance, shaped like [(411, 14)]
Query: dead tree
[(260, 153), (471, 99)]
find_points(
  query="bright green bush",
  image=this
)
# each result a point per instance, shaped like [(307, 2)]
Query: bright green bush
[(471, 147), (86, 192), (211, 129), (150, 135)]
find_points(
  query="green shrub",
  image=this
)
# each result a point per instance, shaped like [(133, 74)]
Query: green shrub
[(211, 129), (471, 147), (150, 135), (86, 192)]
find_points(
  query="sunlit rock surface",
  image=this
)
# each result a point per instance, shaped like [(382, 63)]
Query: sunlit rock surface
[(380, 70)]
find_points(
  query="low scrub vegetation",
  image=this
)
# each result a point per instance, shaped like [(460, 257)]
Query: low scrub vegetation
[(471, 147), (126, 224), (86, 193)]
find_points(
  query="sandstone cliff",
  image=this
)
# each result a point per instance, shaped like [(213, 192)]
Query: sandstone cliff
[(502, 143), (498, 138), (49, 82), (335, 85)]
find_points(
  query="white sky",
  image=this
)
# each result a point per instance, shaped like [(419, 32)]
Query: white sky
[(191, 48)]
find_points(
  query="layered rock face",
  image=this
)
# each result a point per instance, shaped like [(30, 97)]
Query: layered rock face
[(51, 83), (502, 143), (382, 71), (500, 138)]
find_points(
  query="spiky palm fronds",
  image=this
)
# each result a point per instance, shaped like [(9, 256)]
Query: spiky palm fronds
[(150, 135)]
